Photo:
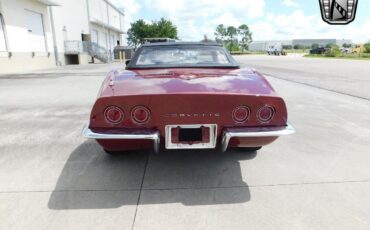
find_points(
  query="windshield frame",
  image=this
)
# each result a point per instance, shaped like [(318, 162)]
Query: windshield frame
[(132, 65)]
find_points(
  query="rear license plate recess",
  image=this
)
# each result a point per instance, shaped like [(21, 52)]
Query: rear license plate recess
[(190, 135), (202, 136)]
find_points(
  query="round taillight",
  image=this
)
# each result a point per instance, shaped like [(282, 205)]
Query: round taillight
[(265, 113), (113, 114), (140, 115), (241, 114)]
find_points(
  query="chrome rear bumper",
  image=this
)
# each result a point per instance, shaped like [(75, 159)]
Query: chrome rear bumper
[(149, 135), (229, 133)]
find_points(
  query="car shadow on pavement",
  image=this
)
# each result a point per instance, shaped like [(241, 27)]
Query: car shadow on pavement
[(92, 179)]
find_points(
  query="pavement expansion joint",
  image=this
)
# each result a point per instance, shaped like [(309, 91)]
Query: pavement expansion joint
[(188, 188), (141, 189)]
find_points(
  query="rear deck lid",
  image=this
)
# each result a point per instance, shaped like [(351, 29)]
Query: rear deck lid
[(186, 81)]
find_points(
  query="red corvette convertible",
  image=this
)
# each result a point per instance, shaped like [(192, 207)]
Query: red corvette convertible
[(178, 95)]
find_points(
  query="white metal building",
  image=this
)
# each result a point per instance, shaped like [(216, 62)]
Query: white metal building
[(106, 23), (25, 35), (321, 42), (37, 34), (263, 45), (99, 30)]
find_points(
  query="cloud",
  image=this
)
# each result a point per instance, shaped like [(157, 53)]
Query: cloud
[(298, 25), (290, 3), (227, 19), (205, 8), (131, 9), (194, 18)]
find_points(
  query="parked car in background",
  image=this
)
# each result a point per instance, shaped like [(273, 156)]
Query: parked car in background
[(320, 50), (186, 96), (346, 50), (276, 50)]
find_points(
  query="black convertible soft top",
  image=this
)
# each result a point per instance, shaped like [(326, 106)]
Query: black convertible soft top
[(165, 45)]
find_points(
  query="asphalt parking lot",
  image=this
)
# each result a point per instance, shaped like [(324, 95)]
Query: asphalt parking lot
[(319, 178)]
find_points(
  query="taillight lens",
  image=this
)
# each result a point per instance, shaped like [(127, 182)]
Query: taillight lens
[(140, 115), (241, 114), (114, 114), (265, 113)]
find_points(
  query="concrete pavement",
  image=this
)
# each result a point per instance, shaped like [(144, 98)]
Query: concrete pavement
[(52, 178), (349, 77)]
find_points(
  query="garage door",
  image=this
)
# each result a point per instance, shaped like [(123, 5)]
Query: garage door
[(94, 36), (36, 35), (103, 39), (2, 35)]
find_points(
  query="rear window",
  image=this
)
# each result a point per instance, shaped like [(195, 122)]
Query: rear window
[(181, 56)]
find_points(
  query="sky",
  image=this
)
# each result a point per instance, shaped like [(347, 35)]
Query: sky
[(267, 19)]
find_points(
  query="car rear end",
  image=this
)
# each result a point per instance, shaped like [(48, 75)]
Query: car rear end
[(187, 121), (186, 96)]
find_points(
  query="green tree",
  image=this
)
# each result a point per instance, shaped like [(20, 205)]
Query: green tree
[(231, 32), (221, 34), (246, 36), (156, 29), (315, 45), (138, 31), (367, 47), (334, 51), (298, 47), (164, 29), (234, 47), (232, 40)]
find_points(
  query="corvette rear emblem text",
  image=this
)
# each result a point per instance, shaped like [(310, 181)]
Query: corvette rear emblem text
[(338, 12), (174, 115)]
